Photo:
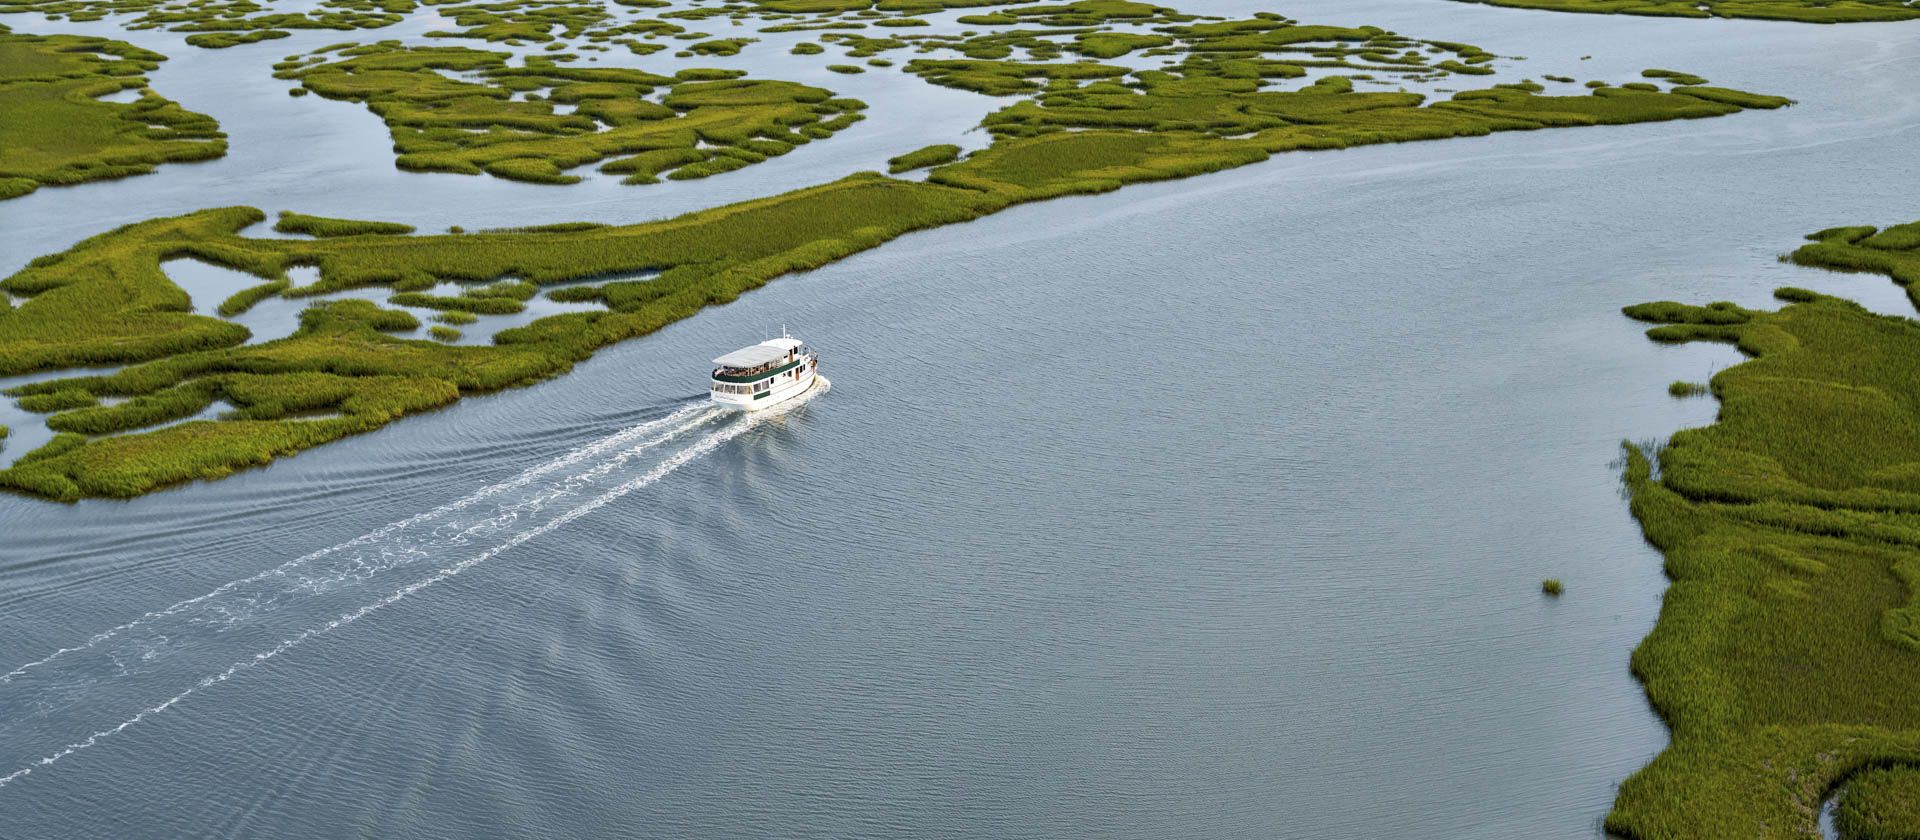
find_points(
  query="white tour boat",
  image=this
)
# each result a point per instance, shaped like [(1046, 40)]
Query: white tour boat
[(766, 374)]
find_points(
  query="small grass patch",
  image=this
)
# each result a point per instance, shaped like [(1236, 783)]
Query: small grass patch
[(721, 46), (222, 40), (1673, 76), (322, 226), (934, 155), (52, 401), (1552, 586)]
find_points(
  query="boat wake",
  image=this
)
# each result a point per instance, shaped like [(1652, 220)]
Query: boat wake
[(136, 670)]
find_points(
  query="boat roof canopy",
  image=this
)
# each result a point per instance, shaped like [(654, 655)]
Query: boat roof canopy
[(755, 356)]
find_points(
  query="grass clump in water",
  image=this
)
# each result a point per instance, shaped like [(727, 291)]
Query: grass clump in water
[(52, 401), (243, 300), (1552, 586), (222, 40), (1673, 76), (322, 226), (1080, 14), (472, 305), (1685, 389), (921, 158), (721, 46)]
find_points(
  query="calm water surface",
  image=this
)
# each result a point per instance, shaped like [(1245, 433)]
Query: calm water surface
[(1213, 508)]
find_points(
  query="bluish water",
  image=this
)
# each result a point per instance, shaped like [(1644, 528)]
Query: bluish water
[(1211, 508)]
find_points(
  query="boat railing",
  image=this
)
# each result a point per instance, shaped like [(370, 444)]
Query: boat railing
[(725, 372)]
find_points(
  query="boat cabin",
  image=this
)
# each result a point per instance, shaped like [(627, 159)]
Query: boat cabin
[(763, 373)]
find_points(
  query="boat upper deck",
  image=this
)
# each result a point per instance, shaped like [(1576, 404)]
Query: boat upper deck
[(753, 357), (752, 362)]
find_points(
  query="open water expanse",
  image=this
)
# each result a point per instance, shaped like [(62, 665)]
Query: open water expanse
[(1214, 508)]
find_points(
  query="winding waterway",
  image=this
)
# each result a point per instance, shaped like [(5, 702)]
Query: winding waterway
[(1209, 508)]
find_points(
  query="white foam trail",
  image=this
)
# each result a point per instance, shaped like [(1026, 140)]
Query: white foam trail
[(623, 437), (671, 463)]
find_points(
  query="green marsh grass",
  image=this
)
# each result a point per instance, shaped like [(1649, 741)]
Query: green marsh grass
[(935, 155), (322, 226), (1802, 11), (1880, 803), (52, 401), (474, 305), (222, 40), (1081, 128), (218, 25), (702, 124), (1674, 76), (1789, 640), (146, 410), (57, 131)]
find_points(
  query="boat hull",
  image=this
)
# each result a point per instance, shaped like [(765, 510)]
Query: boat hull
[(781, 392)]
